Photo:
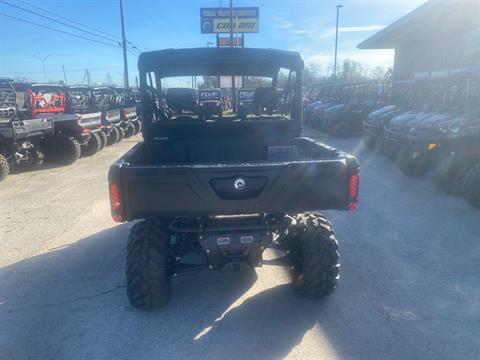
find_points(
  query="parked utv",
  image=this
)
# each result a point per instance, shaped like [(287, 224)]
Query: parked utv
[(182, 99), (129, 114), (106, 99), (22, 139), (424, 99), (459, 143), (226, 189), (83, 103), (245, 102), (346, 119), (54, 102), (210, 103), (376, 122)]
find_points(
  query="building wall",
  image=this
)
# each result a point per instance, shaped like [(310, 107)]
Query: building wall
[(436, 55)]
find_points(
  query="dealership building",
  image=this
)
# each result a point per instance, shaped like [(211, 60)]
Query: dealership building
[(436, 40)]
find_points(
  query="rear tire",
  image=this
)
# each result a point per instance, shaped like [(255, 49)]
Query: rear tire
[(412, 162), (4, 168), (121, 134), (129, 131), (471, 186), (451, 173), (64, 150), (93, 145), (148, 284), (103, 139), (313, 256), (113, 136), (138, 126)]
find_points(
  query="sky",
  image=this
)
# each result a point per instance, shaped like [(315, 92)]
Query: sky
[(307, 26)]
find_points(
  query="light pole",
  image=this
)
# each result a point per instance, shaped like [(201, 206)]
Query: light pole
[(43, 65), (124, 48), (336, 41)]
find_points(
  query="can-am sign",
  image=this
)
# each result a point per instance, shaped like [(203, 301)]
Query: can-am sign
[(217, 20)]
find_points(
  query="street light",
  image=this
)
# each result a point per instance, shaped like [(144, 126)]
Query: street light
[(336, 41), (43, 64)]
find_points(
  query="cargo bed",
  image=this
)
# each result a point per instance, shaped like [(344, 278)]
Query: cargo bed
[(198, 178)]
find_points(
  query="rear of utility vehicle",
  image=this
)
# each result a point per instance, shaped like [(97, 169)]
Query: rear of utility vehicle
[(226, 188)]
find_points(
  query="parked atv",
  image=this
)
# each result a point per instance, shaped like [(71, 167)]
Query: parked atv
[(83, 103), (22, 139), (210, 103), (54, 102)]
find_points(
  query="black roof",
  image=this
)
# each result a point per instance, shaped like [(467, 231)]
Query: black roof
[(219, 61)]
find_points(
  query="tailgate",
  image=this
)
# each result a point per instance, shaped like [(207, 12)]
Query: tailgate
[(91, 120), (32, 127), (130, 113), (291, 187), (113, 116)]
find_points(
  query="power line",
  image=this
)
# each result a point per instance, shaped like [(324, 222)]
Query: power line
[(55, 20), (131, 52), (57, 30), (68, 19)]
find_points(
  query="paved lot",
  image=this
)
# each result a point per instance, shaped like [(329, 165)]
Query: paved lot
[(409, 288)]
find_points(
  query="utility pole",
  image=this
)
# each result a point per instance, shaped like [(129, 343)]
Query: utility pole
[(124, 45), (43, 65), (64, 75), (336, 41), (234, 97)]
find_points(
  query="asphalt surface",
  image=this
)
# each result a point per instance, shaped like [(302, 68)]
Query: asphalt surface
[(409, 285)]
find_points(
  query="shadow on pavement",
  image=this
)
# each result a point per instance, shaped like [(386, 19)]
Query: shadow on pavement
[(70, 303)]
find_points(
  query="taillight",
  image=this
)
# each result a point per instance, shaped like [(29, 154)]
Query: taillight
[(115, 203), (353, 185)]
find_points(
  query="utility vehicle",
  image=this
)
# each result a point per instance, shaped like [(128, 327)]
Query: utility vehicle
[(181, 99), (54, 102), (245, 102), (22, 139), (210, 102), (226, 189), (129, 114), (358, 100), (459, 139), (106, 99), (83, 103), (376, 122), (425, 98)]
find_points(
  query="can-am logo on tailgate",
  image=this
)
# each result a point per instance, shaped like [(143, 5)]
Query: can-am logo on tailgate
[(239, 184)]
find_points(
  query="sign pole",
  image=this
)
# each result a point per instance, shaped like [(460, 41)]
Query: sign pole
[(234, 100)]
